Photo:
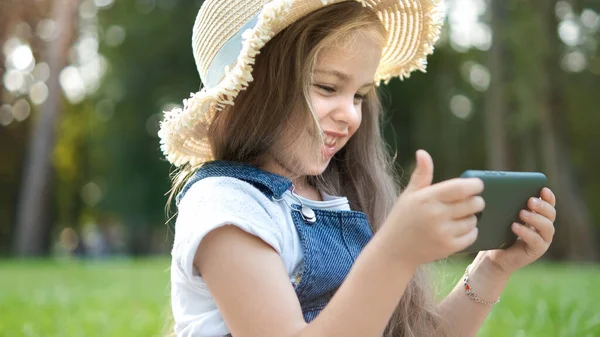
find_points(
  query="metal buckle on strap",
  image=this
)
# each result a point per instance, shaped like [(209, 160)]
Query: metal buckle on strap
[(306, 212)]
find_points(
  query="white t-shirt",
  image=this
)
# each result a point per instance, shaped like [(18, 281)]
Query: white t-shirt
[(214, 202)]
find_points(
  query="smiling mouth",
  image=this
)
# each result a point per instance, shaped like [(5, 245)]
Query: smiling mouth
[(330, 141), (329, 147)]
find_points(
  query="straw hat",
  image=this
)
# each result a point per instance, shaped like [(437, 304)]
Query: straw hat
[(228, 34)]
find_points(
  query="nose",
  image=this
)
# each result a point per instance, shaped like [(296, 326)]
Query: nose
[(347, 112)]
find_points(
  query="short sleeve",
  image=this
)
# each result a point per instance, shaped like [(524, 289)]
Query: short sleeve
[(215, 202)]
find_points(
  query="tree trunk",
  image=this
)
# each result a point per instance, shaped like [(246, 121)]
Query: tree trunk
[(573, 239), (495, 97), (33, 219)]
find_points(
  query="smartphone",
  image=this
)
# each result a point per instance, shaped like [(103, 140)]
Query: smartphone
[(505, 193)]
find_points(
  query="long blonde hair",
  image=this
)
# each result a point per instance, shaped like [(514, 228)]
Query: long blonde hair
[(362, 171)]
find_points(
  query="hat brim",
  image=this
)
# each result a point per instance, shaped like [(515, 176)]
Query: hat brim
[(413, 28)]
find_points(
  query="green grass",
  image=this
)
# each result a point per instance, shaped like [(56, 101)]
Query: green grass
[(130, 298), (83, 298), (546, 300)]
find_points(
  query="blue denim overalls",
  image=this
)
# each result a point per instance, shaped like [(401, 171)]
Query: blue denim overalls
[(330, 244)]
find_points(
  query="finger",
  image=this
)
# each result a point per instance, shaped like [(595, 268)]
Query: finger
[(422, 176), (529, 237), (542, 207), (463, 226), (467, 207), (548, 196), (466, 240), (543, 225), (453, 190)]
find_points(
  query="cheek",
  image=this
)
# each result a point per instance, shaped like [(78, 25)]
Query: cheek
[(321, 105)]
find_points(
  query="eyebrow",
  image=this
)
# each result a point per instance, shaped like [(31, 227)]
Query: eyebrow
[(341, 76)]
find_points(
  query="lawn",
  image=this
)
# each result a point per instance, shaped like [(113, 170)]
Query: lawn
[(130, 298)]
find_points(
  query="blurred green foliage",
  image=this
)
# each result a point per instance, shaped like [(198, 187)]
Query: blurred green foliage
[(109, 171)]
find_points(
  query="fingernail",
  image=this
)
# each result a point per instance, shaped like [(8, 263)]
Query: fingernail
[(535, 201), (515, 226), (526, 213)]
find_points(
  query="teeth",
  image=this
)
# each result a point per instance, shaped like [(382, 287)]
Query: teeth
[(329, 140)]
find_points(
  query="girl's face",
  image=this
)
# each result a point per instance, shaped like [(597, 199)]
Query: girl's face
[(343, 76)]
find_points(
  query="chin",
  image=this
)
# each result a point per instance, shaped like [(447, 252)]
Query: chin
[(317, 167)]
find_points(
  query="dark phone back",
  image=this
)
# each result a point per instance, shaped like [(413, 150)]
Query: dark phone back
[(505, 194)]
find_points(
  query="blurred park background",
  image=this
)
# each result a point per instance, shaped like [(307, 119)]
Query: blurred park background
[(513, 85)]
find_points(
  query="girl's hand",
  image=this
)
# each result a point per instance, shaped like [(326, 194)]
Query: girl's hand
[(431, 222), (534, 237)]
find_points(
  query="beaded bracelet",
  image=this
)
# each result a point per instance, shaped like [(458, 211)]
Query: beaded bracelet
[(469, 291)]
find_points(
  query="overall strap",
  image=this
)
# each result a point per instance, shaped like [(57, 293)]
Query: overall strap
[(271, 184)]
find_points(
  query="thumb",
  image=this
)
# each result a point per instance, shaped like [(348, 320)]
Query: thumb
[(422, 176)]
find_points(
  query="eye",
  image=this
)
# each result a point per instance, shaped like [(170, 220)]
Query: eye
[(325, 88), (359, 97)]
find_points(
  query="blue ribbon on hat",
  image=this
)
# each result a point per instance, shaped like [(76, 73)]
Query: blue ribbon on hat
[(226, 56)]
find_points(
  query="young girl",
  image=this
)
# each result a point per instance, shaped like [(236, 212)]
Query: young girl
[(284, 179)]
